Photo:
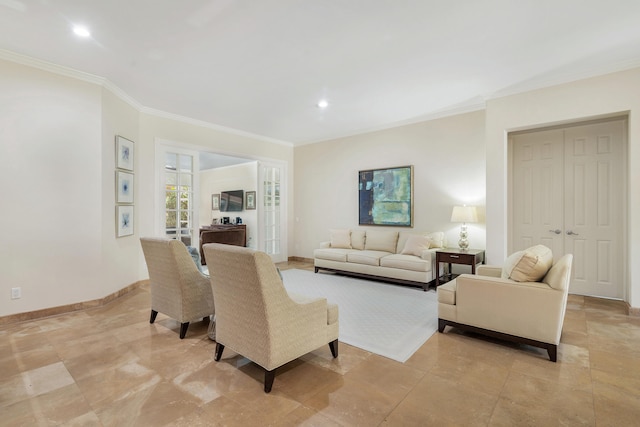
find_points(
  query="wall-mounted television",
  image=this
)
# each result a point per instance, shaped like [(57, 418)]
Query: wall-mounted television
[(231, 201)]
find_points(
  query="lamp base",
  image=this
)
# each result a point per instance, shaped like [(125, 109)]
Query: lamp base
[(463, 243)]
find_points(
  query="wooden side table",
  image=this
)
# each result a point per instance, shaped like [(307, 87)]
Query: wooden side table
[(450, 256)]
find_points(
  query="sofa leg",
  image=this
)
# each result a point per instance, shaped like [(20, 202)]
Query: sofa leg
[(333, 345), (552, 349), (441, 325), (219, 350), (183, 329), (153, 316), (315, 269), (269, 376)]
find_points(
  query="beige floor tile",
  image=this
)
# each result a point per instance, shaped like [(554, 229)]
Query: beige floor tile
[(440, 401), (109, 366)]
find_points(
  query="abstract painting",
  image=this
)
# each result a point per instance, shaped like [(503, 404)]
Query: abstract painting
[(124, 187), (124, 221), (386, 196), (124, 153)]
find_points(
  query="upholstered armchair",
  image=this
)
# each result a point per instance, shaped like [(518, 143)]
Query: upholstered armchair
[(178, 288), (257, 318), (524, 301)]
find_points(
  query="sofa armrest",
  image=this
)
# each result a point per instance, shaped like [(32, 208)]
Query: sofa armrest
[(324, 245), (527, 309), (429, 255), (489, 270)]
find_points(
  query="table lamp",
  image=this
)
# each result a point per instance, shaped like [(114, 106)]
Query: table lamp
[(464, 214)]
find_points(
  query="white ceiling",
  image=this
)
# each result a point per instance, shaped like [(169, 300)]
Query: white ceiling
[(261, 66)]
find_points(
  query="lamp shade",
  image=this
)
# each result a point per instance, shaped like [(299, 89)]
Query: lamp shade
[(464, 214)]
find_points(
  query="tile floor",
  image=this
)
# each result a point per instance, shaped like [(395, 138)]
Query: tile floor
[(108, 366)]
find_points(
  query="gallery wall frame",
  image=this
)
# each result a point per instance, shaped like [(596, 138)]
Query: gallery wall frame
[(124, 187), (124, 153), (250, 202), (215, 202), (124, 220), (385, 196)]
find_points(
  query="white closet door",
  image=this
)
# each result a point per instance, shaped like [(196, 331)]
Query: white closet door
[(567, 192)]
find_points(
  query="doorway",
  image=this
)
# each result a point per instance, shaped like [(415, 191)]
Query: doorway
[(567, 191)]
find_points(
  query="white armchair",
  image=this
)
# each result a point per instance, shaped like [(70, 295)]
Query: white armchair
[(257, 318), (528, 312)]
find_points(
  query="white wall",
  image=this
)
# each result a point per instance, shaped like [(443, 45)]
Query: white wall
[(57, 203), (239, 177), (449, 169), (51, 197), (577, 101)]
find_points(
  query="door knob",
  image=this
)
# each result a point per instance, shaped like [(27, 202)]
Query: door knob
[(557, 231), (571, 233)]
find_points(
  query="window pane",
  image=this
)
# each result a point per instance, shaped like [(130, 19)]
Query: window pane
[(170, 200), (186, 181), (186, 164), (170, 179), (170, 161), (171, 220)]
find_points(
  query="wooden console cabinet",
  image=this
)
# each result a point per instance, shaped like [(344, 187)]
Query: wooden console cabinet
[(227, 234)]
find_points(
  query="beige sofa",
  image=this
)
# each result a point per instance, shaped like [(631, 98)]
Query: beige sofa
[(509, 304), (406, 257)]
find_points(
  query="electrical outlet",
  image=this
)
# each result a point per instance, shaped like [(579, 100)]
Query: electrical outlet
[(16, 293)]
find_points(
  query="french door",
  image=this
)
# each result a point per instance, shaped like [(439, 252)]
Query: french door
[(568, 192), (177, 172), (272, 218)]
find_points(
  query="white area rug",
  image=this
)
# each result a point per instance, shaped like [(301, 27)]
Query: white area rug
[(389, 320)]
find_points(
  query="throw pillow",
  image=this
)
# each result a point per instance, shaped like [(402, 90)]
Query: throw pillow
[(437, 239), (530, 265), (341, 239), (416, 244)]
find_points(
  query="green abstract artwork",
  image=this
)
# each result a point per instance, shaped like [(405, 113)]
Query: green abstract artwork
[(386, 196)]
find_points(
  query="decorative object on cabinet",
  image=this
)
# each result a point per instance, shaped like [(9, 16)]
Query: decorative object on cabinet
[(251, 200), (124, 153), (385, 196), (464, 214)]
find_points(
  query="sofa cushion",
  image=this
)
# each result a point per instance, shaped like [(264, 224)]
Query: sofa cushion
[(530, 265), (416, 244), (447, 293), (332, 254), (341, 239), (437, 239), (366, 257), (357, 239), (381, 241), (405, 262)]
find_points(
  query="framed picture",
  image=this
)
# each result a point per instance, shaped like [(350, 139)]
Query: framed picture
[(124, 187), (124, 221), (385, 196), (215, 202), (250, 202), (124, 153)]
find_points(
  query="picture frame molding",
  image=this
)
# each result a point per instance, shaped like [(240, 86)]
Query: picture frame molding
[(215, 202), (124, 220), (367, 202), (124, 187)]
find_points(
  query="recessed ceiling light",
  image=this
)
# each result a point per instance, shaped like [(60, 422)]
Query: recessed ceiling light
[(81, 31), (323, 103)]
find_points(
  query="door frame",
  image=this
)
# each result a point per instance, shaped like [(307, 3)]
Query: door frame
[(625, 187)]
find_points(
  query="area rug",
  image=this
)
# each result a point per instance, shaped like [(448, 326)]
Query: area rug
[(390, 320)]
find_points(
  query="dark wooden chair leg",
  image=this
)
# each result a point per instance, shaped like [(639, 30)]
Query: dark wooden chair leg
[(153, 316), (183, 329), (441, 325), (333, 345), (269, 376), (219, 350), (552, 349)]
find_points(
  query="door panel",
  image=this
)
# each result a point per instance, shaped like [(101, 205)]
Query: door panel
[(567, 193)]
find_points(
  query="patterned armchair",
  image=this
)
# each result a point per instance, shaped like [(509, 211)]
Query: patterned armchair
[(178, 288), (257, 318)]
